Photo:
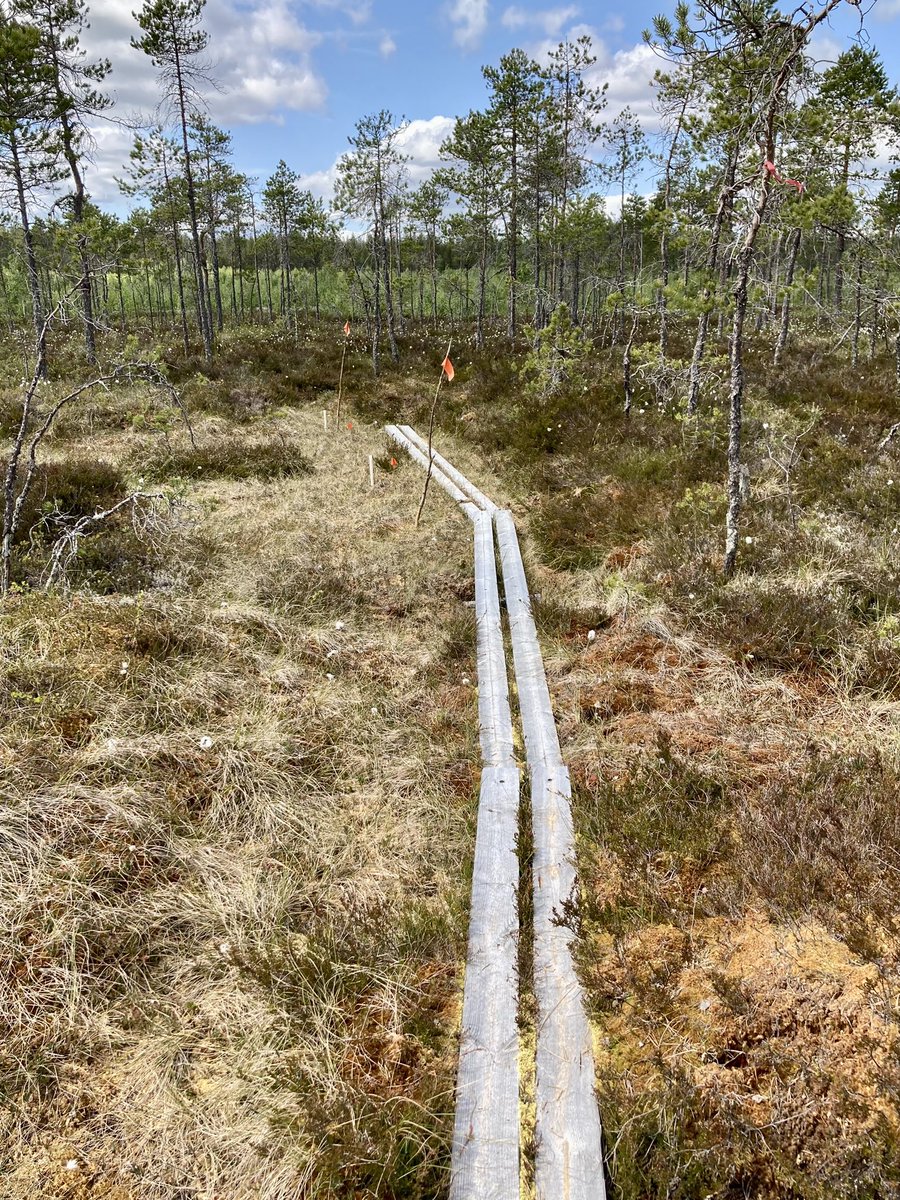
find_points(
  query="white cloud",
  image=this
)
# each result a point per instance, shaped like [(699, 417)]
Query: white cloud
[(260, 95), (470, 18), (321, 183), (549, 20), (824, 49), (628, 74), (107, 161), (387, 46), (420, 141), (260, 55), (612, 203), (359, 11), (885, 151), (264, 62)]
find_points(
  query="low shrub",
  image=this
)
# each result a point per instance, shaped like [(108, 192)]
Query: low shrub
[(114, 557), (827, 841), (667, 824), (276, 459)]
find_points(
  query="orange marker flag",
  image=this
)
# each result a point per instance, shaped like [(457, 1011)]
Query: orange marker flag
[(448, 369), (346, 329)]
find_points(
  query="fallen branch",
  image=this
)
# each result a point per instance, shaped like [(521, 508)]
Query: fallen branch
[(13, 502), (65, 547)]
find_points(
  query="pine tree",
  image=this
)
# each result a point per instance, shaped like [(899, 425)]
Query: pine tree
[(282, 203), (77, 101), (517, 94), (573, 111), (853, 105), (472, 177), (155, 167), (29, 144), (371, 178), (173, 39)]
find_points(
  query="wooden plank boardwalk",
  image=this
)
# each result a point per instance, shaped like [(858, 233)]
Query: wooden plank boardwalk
[(568, 1154)]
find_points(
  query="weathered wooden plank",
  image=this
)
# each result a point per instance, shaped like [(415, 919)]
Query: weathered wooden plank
[(495, 718), (569, 1157), (449, 470), (568, 1154), (569, 1160), (469, 507), (538, 724), (485, 1157), (485, 1152)]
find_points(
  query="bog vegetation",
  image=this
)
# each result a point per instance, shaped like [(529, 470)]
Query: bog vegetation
[(239, 742)]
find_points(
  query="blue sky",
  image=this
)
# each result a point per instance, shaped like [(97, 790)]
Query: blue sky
[(295, 75)]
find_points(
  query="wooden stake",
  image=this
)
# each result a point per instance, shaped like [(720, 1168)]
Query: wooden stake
[(371, 471), (437, 392), (325, 418), (341, 384)]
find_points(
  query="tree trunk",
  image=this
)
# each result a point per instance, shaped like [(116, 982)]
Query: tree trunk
[(482, 286), (268, 274), (31, 266), (841, 237), (122, 316), (149, 287), (217, 285), (78, 197), (513, 233), (664, 236), (434, 279), (725, 199), (239, 250), (857, 314), (255, 260), (376, 301), (735, 410), (199, 264), (626, 367), (388, 297), (786, 303), (745, 259), (179, 279)]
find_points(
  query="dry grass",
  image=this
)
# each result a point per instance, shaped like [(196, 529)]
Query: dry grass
[(233, 820)]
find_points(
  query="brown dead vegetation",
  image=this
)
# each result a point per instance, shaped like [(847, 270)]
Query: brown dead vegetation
[(234, 817)]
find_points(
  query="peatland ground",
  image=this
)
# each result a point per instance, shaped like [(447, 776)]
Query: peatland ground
[(239, 763)]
